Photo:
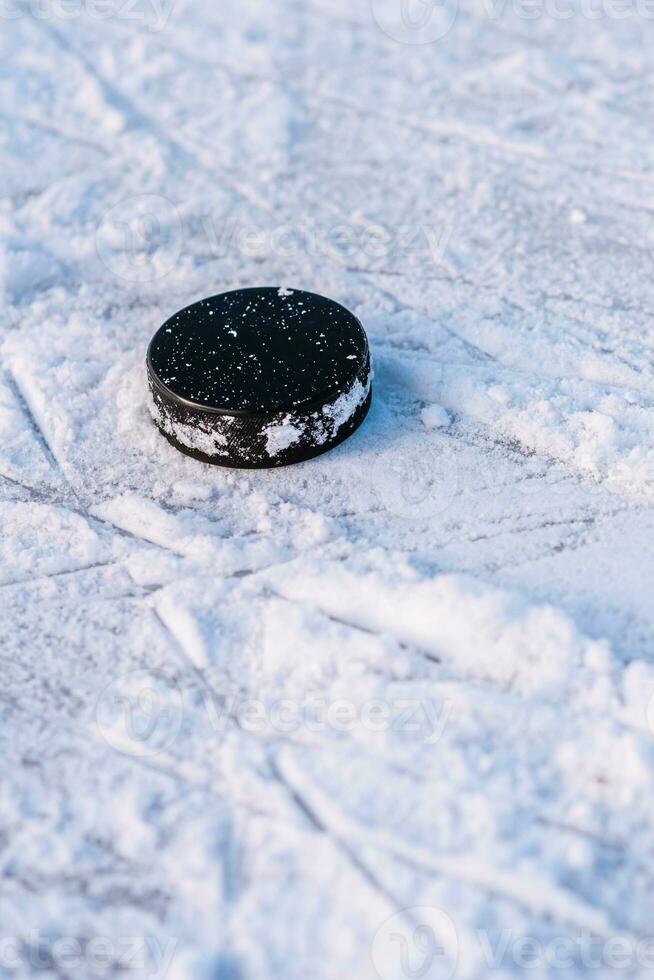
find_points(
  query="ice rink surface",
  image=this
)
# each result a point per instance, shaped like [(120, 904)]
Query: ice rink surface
[(386, 714)]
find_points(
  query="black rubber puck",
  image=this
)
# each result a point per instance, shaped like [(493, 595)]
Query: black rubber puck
[(259, 377)]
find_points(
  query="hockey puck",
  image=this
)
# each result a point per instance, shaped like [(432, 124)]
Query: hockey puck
[(259, 377)]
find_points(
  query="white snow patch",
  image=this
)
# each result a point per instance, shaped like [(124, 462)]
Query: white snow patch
[(281, 435), (196, 437), (487, 633), (435, 417), (342, 410)]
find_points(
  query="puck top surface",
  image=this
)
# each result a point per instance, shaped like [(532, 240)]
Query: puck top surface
[(258, 350)]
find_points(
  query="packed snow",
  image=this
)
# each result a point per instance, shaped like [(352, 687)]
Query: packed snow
[(388, 713)]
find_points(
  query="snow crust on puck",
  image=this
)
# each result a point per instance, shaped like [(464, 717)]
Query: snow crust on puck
[(322, 426), (211, 436)]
